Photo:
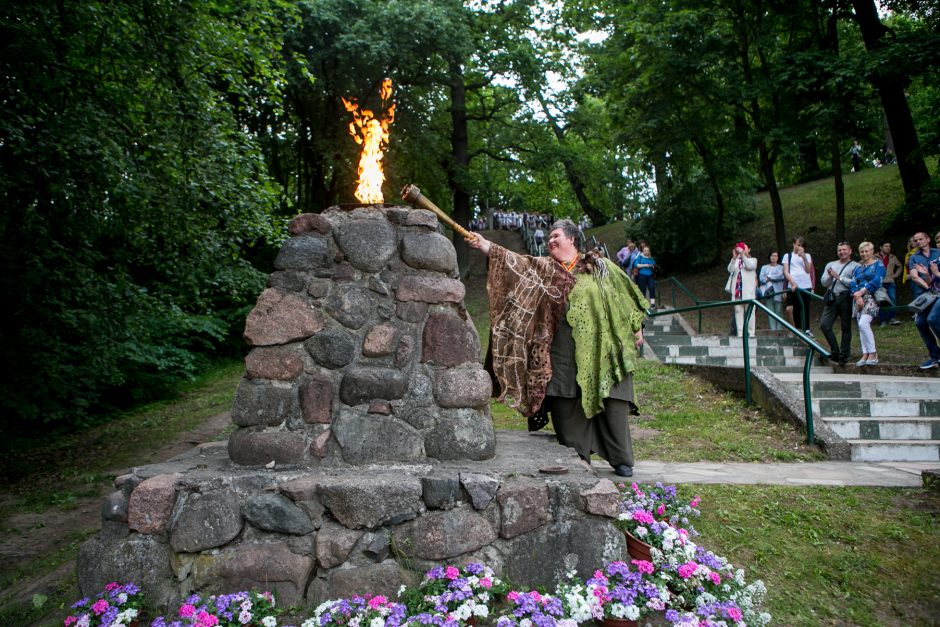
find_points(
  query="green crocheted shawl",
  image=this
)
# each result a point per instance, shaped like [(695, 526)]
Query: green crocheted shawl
[(604, 312)]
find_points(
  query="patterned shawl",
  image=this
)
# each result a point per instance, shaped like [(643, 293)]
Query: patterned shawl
[(606, 310), (527, 299)]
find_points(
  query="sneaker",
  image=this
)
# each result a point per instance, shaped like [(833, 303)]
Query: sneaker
[(930, 363), (861, 362), (894, 321), (809, 333), (872, 362)]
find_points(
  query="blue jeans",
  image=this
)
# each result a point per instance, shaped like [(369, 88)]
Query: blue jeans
[(928, 324), (888, 316)]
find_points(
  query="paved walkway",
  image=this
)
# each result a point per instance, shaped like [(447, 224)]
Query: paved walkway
[(829, 473)]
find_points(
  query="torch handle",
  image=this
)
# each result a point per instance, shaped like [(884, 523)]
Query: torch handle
[(413, 195)]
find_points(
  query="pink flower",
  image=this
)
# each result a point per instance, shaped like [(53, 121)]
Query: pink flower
[(644, 566), (451, 573), (111, 586), (187, 610), (695, 502), (69, 620), (377, 601), (735, 614), (512, 595), (687, 569), (535, 595), (486, 583), (205, 619), (661, 510), (99, 607), (644, 517), (683, 533), (715, 577)]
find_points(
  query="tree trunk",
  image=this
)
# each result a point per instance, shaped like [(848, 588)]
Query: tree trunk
[(459, 162), (890, 86), (770, 180), (708, 162), (831, 43), (574, 179), (838, 183)]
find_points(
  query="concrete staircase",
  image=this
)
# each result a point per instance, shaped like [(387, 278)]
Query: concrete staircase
[(882, 418)]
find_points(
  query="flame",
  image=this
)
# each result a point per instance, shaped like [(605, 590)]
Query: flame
[(371, 133)]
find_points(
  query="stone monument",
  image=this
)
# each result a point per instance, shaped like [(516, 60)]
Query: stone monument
[(364, 452)]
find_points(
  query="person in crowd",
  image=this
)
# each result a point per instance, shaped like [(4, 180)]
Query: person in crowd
[(771, 278), (644, 266), (919, 262), (911, 249), (799, 272), (742, 279), (892, 271), (866, 279), (856, 153), (928, 321), (539, 236), (921, 267), (837, 278), (625, 254), (565, 330)]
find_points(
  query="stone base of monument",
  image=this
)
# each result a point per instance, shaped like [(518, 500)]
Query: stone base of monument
[(200, 523)]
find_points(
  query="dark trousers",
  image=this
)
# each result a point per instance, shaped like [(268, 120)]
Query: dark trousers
[(841, 308), (801, 313), (607, 433)]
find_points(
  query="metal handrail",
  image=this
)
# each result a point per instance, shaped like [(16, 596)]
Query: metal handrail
[(676, 283), (751, 303)]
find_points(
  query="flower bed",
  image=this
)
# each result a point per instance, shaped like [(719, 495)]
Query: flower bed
[(682, 584)]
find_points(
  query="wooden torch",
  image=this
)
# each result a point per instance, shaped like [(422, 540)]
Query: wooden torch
[(412, 194)]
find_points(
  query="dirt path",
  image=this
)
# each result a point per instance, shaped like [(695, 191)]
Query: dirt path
[(28, 537)]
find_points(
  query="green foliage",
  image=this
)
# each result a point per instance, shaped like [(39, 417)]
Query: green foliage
[(131, 196)]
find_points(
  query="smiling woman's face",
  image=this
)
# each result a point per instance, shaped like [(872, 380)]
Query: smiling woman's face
[(561, 247)]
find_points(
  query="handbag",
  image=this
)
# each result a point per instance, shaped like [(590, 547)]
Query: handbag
[(881, 297), (923, 302), (829, 296)]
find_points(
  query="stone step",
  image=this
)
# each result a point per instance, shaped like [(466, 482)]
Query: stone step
[(733, 362), (714, 340), (895, 450), (868, 386), (875, 407), (730, 351), (887, 428)]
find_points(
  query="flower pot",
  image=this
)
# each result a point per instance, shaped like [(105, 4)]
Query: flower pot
[(638, 549), (618, 622)]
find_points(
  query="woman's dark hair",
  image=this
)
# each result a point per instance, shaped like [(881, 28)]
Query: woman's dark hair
[(772, 253), (799, 239)]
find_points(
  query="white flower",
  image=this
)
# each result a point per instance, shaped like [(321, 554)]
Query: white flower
[(401, 591), (640, 532), (269, 621), (377, 622), (310, 622), (354, 621)]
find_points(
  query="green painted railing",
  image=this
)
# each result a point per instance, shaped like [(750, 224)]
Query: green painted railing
[(751, 304)]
